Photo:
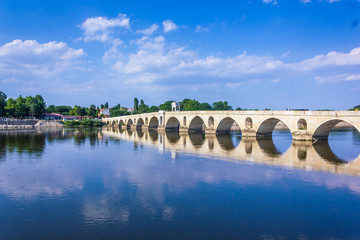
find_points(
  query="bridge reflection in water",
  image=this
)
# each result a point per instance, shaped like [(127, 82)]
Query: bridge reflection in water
[(302, 155)]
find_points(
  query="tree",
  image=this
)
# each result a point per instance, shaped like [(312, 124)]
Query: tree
[(36, 106), (91, 111), (102, 106), (189, 105), (65, 110), (153, 109), (40, 105), (221, 105), (10, 107), (136, 105), (2, 104), (106, 105), (166, 106), (143, 108), (51, 109), (21, 109), (204, 106)]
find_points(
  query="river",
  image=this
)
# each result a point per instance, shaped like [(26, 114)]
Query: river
[(113, 184)]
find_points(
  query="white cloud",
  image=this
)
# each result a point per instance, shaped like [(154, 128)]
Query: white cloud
[(30, 57), (274, 2), (169, 25), (100, 28), (337, 78), (10, 80), (150, 30), (332, 59), (156, 62), (199, 28)]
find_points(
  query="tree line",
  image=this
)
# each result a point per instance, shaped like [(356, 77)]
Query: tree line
[(29, 106), (22, 107)]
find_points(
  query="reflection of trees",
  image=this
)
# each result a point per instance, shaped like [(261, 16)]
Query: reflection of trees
[(32, 143)]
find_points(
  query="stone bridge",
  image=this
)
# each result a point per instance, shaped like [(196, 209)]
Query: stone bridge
[(303, 125)]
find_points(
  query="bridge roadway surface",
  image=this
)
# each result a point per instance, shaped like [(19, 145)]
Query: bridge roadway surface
[(301, 155), (303, 125)]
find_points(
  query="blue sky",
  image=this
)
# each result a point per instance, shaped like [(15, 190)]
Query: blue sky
[(255, 54)]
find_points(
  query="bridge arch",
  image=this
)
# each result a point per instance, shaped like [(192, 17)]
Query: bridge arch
[(267, 127), (154, 122), (323, 130), (197, 124), (140, 123), (248, 123), (211, 121), (129, 123), (302, 124), (172, 124), (121, 123), (225, 125)]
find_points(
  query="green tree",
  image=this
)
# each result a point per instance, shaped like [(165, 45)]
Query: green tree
[(92, 111), (40, 105), (204, 106), (102, 106), (221, 105), (166, 106), (136, 105), (10, 107), (189, 105), (65, 110), (21, 108), (153, 109), (51, 109), (143, 108), (2, 104), (106, 105)]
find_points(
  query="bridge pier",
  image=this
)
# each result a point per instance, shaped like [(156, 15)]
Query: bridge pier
[(145, 127), (183, 130), (301, 135), (161, 128), (133, 127), (248, 133), (210, 131)]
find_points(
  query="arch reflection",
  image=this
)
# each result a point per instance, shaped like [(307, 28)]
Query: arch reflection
[(303, 155)]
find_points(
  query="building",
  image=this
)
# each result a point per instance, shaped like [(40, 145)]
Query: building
[(175, 106), (105, 112), (57, 116)]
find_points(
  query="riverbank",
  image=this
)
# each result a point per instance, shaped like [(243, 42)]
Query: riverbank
[(28, 123)]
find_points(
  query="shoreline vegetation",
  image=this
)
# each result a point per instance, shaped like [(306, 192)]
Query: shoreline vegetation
[(83, 123)]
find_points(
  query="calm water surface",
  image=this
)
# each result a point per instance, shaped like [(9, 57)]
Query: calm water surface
[(111, 184)]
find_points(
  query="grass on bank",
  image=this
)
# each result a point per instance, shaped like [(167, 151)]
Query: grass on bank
[(83, 123)]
